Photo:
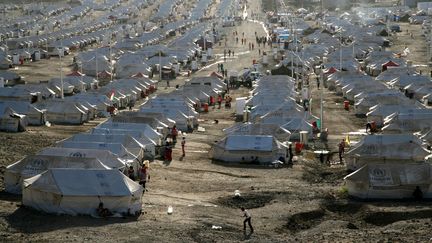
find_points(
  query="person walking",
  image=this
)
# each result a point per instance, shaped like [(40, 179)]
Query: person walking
[(144, 175), (248, 218), (168, 152), (183, 143), (291, 155), (341, 150)]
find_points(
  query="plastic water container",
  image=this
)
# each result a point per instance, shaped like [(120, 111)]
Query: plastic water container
[(170, 210), (304, 137), (15, 59), (37, 55)]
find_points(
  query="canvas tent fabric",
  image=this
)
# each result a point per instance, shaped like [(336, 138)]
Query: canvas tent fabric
[(36, 164), (144, 128), (386, 148), (149, 144), (244, 148), (116, 148), (106, 157), (34, 115), (11, 121), (130, 143), (64, 112), (79, 192), (390, 181), (259, 129)]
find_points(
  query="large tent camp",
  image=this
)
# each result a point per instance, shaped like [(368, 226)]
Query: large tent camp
[(79, 192), (36, 164)]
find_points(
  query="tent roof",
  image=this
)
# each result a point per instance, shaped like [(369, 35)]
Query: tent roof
[(249, 142), (79, 182)]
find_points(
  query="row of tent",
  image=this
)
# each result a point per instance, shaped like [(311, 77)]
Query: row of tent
[(272, 117), (24, 105), (52, 180), (386, 89)]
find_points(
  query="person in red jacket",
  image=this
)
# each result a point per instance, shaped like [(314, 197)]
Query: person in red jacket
[(174, 134), (219, 100)]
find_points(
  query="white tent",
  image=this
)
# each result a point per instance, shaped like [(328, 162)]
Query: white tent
[(131, 144), (278, 132), (34, 115), (10, 121), (296, 125), (137, 117), (386, 148), (144, 128), (64, 112), (245, 148), (105, 156), (414, 121), (378, 112), (390, 181), (79, 192), (36, 164), (116, 148), (183, 122), (149, 144)]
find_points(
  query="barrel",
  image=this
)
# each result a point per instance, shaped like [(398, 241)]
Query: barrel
[(304, 137), (298, 147)]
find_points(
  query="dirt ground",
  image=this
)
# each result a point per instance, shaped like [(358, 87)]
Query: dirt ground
[(305, 203)]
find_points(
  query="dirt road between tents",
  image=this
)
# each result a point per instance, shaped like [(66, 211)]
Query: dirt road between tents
[(305, 203)]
